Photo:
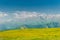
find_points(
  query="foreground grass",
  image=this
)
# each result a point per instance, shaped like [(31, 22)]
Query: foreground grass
[(31, 34)]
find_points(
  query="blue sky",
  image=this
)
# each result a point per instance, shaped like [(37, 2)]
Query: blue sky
[(30, 5), (32, 12)]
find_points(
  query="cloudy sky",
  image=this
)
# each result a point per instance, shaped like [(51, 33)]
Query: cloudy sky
[(18, 12)]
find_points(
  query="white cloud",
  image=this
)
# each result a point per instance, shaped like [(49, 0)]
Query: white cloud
[(3, 14), (22, 15)]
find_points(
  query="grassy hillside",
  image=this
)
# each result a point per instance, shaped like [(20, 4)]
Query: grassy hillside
[(31, 34)]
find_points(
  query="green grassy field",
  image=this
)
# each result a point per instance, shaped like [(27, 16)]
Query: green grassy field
[(31, 34)]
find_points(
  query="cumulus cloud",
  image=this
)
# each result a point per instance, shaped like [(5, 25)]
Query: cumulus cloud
[(3, 14), (25, 15), (17, 18)]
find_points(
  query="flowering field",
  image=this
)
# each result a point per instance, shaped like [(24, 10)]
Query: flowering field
[(31, 34)]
